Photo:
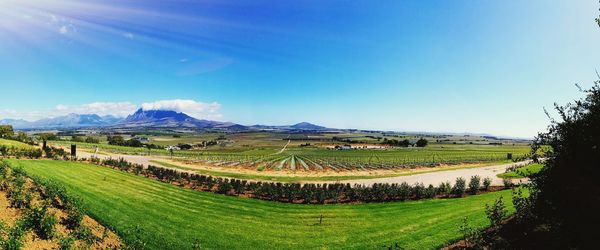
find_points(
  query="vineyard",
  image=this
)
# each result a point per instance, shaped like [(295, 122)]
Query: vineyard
[(317, 159), (322, 159)]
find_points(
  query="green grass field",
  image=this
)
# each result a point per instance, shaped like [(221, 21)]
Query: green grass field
[(173, 218), (16, 144), (523, 172)]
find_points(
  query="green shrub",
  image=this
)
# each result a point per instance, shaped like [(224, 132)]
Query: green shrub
[(66, 243), (496, 212), (16, 236), (430, 191), (41, 221), (85, 234), (486, 183), (74, 217), (459, 187), (444, 188), (474, 184), (418, 190)]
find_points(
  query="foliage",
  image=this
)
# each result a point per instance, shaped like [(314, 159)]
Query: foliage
[(566, 190), (421, 143), (486, 183), (474, 184), (496, 212), (85, 234), (41, 221), (459, 187), (6, 131), (91, 139), (66, 242), (474, 238)]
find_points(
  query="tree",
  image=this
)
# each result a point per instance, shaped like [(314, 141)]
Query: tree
[(91, 139), (115, 140), (567, 192), (6, 131), (422, 143)]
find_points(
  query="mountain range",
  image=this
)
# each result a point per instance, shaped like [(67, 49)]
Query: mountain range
[(144, 119)]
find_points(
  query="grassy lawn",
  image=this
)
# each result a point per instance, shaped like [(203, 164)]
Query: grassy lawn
[(280, 178), (523, 172), (16, 144), (173, 218)]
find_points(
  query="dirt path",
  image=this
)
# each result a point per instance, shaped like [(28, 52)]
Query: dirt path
[(284, 147), (435, 178)]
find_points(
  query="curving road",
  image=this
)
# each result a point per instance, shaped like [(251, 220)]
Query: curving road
[(435, 178)]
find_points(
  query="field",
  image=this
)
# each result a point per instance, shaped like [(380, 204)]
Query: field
[(15, 144), (523, 172), (296, 158), (169, 217)]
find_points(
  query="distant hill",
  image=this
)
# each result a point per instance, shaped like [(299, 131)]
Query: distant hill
[(67, 121), (299, 126), (307, 126)]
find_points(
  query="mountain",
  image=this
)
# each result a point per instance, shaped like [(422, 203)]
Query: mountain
[(172, 119), (298, 126), (147, 119), (307, 126), (67, 121), (16, 123)]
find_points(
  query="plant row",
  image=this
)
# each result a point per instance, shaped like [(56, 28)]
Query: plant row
[(303, 193), (36, 199)]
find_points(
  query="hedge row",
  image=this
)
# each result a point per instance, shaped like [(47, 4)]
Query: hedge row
[(301, 193)]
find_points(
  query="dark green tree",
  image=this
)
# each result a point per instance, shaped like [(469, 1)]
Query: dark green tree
[(422, 142)]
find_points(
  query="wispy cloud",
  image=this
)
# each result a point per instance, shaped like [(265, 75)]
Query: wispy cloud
[(200, 110), (201, 67), (128, 35), (63, 30)]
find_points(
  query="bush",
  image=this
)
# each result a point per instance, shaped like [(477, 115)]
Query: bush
[(486, 183), (418, 191), (66, 242), (444, 188), (459, 187), (474, 184), (85, 234), (507, 182), (496, 212), (430, 192), (224, 187), (74, 217), (15, 236), (41, 221)]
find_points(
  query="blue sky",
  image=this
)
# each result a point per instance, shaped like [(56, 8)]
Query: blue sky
[(440, 66)]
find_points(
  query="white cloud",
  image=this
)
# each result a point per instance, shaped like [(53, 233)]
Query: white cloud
[(120, 109), (128, 35), (193, 108), (63, 29)]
